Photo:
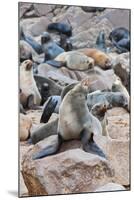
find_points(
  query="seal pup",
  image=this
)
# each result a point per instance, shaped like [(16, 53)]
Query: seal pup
[(100, 58), (77, 123), (63, 28), (28, 84), (120, 38), (49, 47), (73, 60)]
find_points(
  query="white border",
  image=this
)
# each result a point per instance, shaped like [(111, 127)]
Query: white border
[(9, 101)]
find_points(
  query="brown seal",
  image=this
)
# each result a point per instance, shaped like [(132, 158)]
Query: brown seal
[(100, 58)]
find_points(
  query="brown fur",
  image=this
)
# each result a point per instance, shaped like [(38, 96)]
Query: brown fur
[(100, 58)]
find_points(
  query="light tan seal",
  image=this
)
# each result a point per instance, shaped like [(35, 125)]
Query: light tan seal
[(73, 60), (27, 82)]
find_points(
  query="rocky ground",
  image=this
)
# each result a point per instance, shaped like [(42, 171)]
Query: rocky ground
[(72, 170)]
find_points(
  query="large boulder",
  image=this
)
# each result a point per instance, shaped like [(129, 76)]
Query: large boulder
[(40, 27), (72, 171), (118, 123), (117, 145), (118, 17), (23, 148), (117, 152), (43, 9), (87, 37)]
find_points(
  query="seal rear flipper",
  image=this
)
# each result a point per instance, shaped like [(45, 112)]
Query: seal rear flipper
[(48, 110), (45, 152), (89, 145), (55, 63), (30, 103), (50, 150), (29, 141)]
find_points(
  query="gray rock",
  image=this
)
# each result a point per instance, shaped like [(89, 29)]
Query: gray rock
[(43, 9), (23, 8), (118, 123), (72, 171), (40, 27), (118, 17), (117, 152)]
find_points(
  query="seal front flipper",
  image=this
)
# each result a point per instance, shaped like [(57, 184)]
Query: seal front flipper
[(89, 145), (29, 141), (50, 150), (55, 63), (100, 42), (48, 110), (30, 101)]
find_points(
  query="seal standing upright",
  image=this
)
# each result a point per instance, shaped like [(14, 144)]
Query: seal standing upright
[(27, 82), (77, 123)]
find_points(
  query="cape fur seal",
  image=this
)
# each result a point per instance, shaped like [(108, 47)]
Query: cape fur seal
[(65, 43), (100, 58), (77, 123), (120, 38), (100, 41), (28, 84), (119, 87), (61, 28), (35, 45), (46, 87), (98, 110), (49, 47), (27, 52), (111, 99), (107, 98), (92, 9), (73, 60)]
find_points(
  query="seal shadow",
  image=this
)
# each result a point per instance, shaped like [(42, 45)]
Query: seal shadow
[(13, 193)]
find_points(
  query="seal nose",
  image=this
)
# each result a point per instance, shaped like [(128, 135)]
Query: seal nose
[(108, 64), (91, 64)]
